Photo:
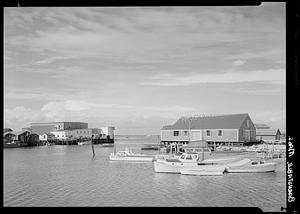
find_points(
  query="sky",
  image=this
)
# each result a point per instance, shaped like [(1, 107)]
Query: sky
[(140, 68)]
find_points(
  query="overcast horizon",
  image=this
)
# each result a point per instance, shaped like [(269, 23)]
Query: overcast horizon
[(140, 68)]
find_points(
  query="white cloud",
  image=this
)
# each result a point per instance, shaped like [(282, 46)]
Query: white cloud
[(238, 62), (276, 76), (20, 117)]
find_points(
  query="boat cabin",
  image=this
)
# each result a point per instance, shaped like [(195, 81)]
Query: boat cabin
[(123, 153), (189, 157), (196, 150)]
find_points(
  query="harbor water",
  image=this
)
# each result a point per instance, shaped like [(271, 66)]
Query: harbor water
[(70, 176)]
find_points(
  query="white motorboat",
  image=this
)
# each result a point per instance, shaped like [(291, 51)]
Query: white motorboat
[(223, 160), (129, 156), (173, 165), (188, 163), (248, 166)]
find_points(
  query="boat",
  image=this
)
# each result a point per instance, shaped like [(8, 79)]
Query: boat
[(204, 169), (129, 156), (150, 147), (188, 163), (11, 145), (223, 160), (84, 143), (248, 166), (107, 145)]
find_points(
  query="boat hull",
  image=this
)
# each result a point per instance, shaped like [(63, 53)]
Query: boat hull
[(224, 160), (108, 145), (163, 167), (12, 145), (209, 169), (202, 172), (249, 168), (138, 159)]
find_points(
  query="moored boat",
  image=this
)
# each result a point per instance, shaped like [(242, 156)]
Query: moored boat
[(223, 160), (107, 145), (129, 156), (150, 147), (208, 170), (84, 143), (248, 166), (188, 163)]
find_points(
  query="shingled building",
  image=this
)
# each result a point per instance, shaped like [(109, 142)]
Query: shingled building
[(219, 129)]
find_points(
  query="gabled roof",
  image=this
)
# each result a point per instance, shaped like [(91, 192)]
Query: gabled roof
[(266, 132), (261, 126), (230, 121), (16, 132), (48, 134)]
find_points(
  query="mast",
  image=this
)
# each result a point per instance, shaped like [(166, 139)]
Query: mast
[(190, 119), (92, 142), (202, 145)]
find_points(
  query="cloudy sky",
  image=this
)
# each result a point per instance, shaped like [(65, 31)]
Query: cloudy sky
[(139, 68)]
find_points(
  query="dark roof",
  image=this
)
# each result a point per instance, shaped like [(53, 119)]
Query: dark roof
[(230, 121), (267, 132), (16, 132), (48, 134)]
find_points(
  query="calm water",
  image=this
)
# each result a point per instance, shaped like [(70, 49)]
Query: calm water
[(69, 176)]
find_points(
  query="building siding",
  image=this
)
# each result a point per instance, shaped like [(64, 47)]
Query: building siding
[(228, 135), (247, 131), (41, 128), (235, 128)]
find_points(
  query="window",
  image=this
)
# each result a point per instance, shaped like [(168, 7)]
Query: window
[(185, 133), (207, 132), (176, 133), (248, 123), (220, 133)]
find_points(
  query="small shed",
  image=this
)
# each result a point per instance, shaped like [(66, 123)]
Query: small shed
[(268, 135)]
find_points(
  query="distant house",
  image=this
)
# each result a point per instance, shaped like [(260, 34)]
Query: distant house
[(7, 130), (42, 128), (33, 139), (268, 135), (231, 128), (8, 137), (46, 137), (22, 136)]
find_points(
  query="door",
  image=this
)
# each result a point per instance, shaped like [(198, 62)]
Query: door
[(195, 135), (247, 135)]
